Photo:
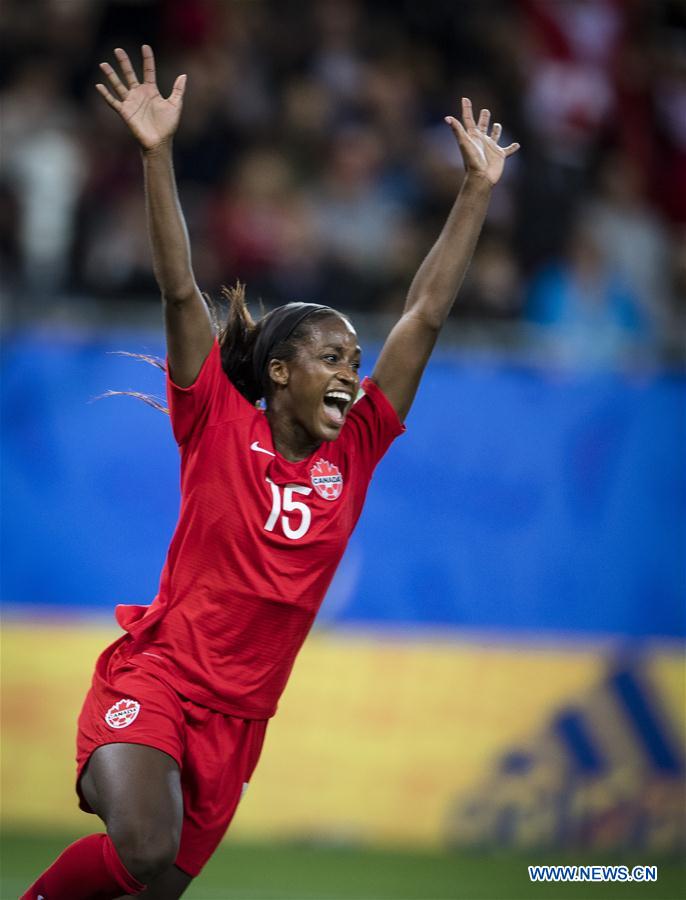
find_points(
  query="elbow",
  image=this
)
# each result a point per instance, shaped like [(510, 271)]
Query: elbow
[(179, 295), (430, 320), (431, 306)]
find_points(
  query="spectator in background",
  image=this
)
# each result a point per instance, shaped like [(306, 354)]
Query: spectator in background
[(631, 237), (569, 99), (43, 157), (336, 58), (117, 258), (356, 217), (247, 217), (308, 115), (493, 286), (261, 227), (585, 305)]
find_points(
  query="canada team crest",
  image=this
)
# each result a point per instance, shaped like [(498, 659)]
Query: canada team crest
[(123, 713), (326, 479)]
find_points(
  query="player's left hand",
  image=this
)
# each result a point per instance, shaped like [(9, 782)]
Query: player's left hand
[(480, 151)]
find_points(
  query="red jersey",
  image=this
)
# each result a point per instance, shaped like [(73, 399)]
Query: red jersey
[(257, 543)]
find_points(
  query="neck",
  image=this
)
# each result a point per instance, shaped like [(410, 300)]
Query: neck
[(290, 440)]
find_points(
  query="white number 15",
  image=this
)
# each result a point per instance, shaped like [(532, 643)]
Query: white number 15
[(289, 505)]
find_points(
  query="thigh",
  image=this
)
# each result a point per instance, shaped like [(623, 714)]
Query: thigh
[(132, 781), (135, 710)]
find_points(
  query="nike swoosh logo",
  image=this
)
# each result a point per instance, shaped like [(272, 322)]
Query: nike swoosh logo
[(256, 447)]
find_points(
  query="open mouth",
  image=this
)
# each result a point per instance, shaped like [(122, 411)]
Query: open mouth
[(336, 405)]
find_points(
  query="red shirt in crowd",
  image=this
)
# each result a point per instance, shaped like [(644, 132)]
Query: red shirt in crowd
[(257, 543)]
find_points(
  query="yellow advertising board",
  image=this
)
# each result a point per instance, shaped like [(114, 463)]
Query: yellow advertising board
[(399, 740)]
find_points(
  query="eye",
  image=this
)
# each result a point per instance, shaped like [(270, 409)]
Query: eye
[(356, 366), (330, 357)]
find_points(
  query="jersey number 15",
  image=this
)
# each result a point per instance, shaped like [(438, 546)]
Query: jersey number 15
[(289, 505)]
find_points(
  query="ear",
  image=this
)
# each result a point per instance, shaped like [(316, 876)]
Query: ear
[(278, 371)]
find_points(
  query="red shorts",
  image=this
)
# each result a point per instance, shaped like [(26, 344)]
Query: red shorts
[(216, 753)]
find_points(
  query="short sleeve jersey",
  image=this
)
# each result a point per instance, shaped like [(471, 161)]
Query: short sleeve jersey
[(257, 543)]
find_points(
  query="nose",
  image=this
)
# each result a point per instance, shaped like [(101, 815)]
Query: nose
[(347, 375)]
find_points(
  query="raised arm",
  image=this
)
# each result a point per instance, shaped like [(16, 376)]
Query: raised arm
[(153, 120), (433, 290)]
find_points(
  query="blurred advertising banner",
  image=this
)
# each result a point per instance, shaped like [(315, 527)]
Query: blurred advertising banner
[(520, 500), (401, 741)]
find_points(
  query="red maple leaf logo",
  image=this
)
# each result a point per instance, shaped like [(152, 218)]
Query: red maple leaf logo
[(326, 479), (122, 713)]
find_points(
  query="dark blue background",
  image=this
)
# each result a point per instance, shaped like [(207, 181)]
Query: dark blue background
[(520, 499)]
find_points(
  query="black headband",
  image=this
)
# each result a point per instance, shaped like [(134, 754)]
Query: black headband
[(278, 326)]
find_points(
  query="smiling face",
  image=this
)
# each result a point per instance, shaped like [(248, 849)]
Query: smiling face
[(313, 391)]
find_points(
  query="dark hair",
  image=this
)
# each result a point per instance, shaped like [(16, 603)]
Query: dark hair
[(238, 336), (237, 333)]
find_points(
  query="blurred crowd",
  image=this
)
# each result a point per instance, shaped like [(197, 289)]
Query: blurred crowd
[(314, 162)]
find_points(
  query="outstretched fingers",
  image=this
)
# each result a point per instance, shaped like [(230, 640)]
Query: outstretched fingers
[(457, 126), (113, 102), (468, 117), (496, 133), (177, 92), (115, 81), (461, 131), (126, 67), (492, 141), (484, 119), (468, 114), (149, 74)]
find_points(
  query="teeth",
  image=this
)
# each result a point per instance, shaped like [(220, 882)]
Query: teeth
[(339, 395)]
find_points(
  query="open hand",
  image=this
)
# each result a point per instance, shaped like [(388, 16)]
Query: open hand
[(480, 151), (151, 118)]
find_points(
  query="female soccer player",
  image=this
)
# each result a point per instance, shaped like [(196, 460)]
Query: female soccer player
[(173, 725)]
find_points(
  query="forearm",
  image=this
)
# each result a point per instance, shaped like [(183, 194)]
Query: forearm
[(438, 279), (166, 226)]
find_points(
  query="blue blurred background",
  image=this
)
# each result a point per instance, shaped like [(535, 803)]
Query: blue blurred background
[(511, 607), (533, 500)]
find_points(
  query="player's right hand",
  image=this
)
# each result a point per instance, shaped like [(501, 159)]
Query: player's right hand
[(151, 118)]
